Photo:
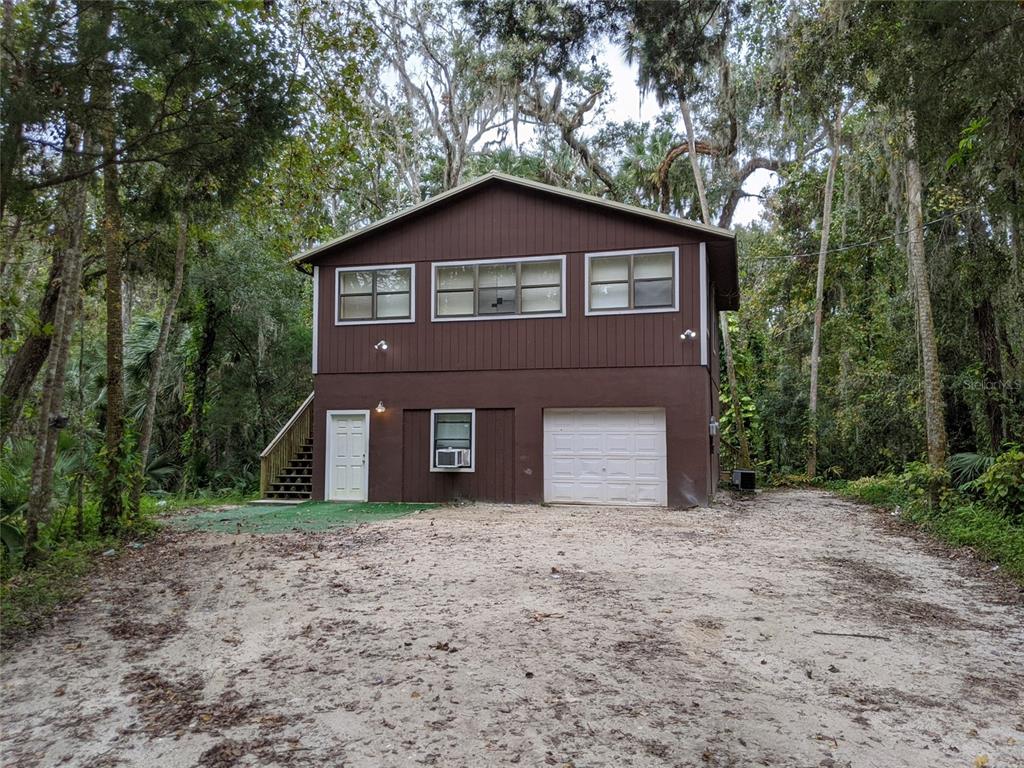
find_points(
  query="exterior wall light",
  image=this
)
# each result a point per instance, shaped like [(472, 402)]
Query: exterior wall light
[(380, 407), (688, 334), (381, 345)]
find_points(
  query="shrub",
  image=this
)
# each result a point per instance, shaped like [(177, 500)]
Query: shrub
[(880, 490), (977, 525), (1002, 484), (986, 514)]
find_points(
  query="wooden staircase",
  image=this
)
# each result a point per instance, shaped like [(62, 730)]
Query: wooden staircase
[(286, 465), (295, 480)]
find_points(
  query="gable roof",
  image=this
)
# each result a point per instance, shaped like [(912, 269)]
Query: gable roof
[(521, 182), (721, 245)]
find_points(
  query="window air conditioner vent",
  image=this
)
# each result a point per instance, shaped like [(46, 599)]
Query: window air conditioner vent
[(451, 458)]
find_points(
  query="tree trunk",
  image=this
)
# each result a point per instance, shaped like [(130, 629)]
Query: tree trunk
[(198, 460), (734, 392), (934, 418), (80, 476), (48, 428), (12, 240), (153, 389), (992, 375), (730, 367), (698, 176), (819, 297), (112, 501), (24, 365), (113, 480)]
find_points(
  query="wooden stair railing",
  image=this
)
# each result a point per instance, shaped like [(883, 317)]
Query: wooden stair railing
[(286, 464)]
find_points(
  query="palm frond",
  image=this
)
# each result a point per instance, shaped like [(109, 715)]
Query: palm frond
[(966, 467)]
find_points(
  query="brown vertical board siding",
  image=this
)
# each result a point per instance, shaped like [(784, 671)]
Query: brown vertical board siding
[(500, 222), (493, 478), (399, 445), (510, 370)]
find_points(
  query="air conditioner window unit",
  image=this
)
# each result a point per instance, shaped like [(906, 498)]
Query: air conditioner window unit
[(451, 458)]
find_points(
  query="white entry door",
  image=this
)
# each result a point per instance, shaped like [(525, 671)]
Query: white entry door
[(605, 456), (347, 455)]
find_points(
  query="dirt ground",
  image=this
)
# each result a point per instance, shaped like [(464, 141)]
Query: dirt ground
[(493, 635)]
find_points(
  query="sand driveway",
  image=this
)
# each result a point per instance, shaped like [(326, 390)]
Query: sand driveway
[(791, 629)]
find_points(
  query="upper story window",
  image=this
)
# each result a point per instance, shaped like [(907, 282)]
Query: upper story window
[(496, 288), (644, 280), (376, 294)]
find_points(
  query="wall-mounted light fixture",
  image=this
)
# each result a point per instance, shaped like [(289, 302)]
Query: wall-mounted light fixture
[(688, 334), (381, 345), (380, 407)]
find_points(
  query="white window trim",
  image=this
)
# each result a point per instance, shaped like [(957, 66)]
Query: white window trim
[(676, 279), (704, 304), (434, 317), (316, 312), (330, 451), (375, 267), (472, 439)]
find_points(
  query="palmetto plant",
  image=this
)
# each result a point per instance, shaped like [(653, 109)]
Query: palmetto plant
[(967, 467), (15, 477)]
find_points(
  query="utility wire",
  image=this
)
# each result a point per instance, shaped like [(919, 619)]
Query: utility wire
[(837, 249)]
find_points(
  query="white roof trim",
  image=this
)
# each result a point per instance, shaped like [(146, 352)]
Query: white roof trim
[(535, 185)]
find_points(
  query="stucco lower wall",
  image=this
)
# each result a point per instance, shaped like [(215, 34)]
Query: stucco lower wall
[(683, 391)]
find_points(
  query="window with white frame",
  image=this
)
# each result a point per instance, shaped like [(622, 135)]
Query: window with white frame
[(452, 440), (375, 294), (497, 288), (633, 281)]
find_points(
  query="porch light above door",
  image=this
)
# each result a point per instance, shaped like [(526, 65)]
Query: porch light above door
[(380, 407)]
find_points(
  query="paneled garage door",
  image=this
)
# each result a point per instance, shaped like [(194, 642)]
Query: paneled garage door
[(605, 456)]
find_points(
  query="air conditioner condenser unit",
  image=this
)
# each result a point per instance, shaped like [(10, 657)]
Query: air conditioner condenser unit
[(744, 479)]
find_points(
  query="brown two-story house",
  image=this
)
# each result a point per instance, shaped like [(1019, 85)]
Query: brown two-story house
[(513, 341)]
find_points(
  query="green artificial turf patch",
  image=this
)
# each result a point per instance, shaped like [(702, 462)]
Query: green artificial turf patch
[(308, 516)]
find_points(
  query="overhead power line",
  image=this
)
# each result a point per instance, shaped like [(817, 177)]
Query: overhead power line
[(850, 247)]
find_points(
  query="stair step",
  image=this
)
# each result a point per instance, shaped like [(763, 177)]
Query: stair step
[(295, 481), (288, 495), (285, 478)]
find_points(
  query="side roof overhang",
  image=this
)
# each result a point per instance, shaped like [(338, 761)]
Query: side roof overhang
[(721, 243)]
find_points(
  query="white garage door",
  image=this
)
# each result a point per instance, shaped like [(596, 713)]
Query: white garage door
[(605, 456)]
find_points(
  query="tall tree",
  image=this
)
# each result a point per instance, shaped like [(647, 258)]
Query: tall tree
[(819, 294), (50, 421), (446, 80), (116, 455), (935, 422), (157, 364)]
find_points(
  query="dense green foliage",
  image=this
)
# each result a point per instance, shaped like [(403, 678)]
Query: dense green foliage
[(984, 514), (241, 133)]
